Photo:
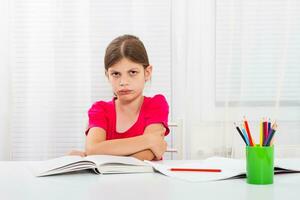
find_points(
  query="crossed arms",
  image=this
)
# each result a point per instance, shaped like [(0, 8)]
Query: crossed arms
[(151, 145)]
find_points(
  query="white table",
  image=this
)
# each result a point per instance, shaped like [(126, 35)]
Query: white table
[(17, 182)]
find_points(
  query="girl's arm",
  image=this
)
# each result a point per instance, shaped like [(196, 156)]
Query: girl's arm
[(152, 139), (96, 143), (159, 130), (144, 155)]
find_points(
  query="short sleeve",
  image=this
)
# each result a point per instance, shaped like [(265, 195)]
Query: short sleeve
[(157, 112), (97, 116)]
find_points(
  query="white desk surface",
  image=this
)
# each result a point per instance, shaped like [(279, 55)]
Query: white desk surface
[(17, 182)]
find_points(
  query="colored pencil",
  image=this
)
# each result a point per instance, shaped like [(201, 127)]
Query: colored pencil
[(241, 134), (248, 132), (265, 130), (246, 137), (269, 125), (194, 170), (270, 135), (261, 137)]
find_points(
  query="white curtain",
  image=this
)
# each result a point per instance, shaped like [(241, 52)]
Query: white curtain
[(233, 58), (56, 71), (257, 70), (5, 94)]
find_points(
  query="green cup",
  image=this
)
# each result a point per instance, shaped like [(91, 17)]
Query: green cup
[(260, 164)]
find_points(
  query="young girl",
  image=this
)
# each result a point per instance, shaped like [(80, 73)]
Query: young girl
[(131, 124)]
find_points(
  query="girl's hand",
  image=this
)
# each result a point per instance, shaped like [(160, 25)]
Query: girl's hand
[(157, 145), (76, 153)]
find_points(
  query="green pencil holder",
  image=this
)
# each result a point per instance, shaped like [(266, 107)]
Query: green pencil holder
[(260, 164)]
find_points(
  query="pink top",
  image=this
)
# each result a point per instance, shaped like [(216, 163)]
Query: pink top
[(154, 110)]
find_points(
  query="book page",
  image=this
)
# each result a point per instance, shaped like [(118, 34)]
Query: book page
[(120, 169), (230, 168), (107, 159), (292, 164), (62, 163)]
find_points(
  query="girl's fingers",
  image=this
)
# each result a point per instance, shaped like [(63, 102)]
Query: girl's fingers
[(77, 153)]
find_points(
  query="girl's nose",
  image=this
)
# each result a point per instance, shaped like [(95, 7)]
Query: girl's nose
[(123, 82)]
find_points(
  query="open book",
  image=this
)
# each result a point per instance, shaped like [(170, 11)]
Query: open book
[(100, 164), (230, 168)]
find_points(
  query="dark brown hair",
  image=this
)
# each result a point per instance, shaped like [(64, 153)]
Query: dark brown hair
[(126, 46)]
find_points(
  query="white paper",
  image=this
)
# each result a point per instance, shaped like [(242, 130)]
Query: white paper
[(229, 168)]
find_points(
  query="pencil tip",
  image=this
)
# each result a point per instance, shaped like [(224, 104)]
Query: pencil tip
[(274, 126)]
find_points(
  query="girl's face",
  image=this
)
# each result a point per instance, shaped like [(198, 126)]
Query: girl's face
[(128, 79)]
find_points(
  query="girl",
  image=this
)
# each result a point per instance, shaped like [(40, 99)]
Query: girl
[(131, 124)]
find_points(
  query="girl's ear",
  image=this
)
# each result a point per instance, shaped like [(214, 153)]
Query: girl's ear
[(106, 73), (148, 72)]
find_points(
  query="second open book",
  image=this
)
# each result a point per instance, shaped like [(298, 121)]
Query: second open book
[(230, 168), (104, 164)]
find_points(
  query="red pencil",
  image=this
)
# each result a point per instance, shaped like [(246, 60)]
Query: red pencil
[(248, 132), (194, 170), (265, 124)]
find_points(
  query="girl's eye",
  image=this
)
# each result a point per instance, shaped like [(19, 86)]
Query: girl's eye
[(133, 72), (115, 74)]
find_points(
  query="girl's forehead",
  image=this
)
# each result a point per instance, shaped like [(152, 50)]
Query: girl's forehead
[(125, 64)]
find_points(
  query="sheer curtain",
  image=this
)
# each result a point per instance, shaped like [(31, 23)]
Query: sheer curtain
[(56, 67), (193, 62), (215, 61), (236, 58), (4, 82), (257, 67)]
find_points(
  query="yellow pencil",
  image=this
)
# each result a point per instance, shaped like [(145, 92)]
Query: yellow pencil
[(261, 133)]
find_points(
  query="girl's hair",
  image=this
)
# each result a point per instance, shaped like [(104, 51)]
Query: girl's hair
[(126, 46)]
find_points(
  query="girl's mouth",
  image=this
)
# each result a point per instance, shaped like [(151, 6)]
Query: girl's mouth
[(124, 92)]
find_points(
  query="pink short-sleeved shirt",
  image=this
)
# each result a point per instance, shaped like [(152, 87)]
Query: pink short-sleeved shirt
[(154, 110)]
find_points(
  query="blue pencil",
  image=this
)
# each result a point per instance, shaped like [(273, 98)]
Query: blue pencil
[(246, 137), (240, 132), (270, 135)]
